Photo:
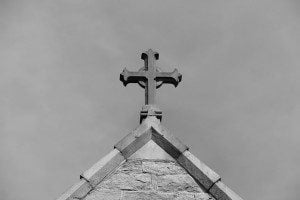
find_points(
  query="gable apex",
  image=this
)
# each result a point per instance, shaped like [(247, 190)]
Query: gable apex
[(151, 130)]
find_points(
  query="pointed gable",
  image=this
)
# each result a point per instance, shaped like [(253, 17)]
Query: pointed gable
[(150, 163), (130, 171)]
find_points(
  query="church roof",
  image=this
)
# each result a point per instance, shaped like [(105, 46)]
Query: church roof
[(149, 163)]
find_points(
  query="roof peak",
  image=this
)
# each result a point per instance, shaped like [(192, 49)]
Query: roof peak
[(151, 130)]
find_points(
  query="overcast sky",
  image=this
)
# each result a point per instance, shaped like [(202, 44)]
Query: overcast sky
[(62, 106)]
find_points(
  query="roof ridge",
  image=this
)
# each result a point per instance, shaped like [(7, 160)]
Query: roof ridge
[(151, 129)]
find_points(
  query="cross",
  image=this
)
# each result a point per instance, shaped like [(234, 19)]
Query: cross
[(150, 76)]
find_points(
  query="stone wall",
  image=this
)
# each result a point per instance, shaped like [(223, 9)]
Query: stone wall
[(148, 179)]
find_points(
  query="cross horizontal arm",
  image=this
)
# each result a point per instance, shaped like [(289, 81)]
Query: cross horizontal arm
[(132, 77), (169, 77)]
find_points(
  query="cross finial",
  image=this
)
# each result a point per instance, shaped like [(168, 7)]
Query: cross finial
[(150, 76)]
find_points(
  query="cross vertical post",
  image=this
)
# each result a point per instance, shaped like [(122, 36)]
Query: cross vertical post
[(150, 77), (150, 87)]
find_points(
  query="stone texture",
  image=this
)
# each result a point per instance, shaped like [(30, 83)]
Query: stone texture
[(177, 182), (151, 129), (148, 179), (135, 140), (151, 151), (167, 141), (198, 170), (222, 192), (162, 167), (164, 196), (141, 129), (103, 167), (131, 166), (104, 195), (77, 191), (137, 143), (147, 196), (129, 182)]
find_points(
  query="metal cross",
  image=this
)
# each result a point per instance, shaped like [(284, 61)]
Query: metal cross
[(150, 76)]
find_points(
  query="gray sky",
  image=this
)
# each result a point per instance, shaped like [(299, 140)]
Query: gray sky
[(62, 106)]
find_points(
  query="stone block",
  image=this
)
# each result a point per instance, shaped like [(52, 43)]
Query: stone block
[(203, 196), (162, 167), (103, 167), (136, 143), (135, 140), (149, 111), (130, 166), (176, 183), (141, 129), (148, 179), (151, 151), (104, 195), (127, 182), (147, 196), (150, 129), (192, 196), (153, 195), (205, 176), (167, 141), (77, 191), (221, 192)]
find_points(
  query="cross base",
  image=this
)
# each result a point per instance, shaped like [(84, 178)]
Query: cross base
[(150, 110)]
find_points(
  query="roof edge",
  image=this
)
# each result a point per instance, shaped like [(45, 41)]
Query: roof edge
[(94, 175), (198, 170), (220, 191), (151, 129), (78, 191), (103, 167)]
